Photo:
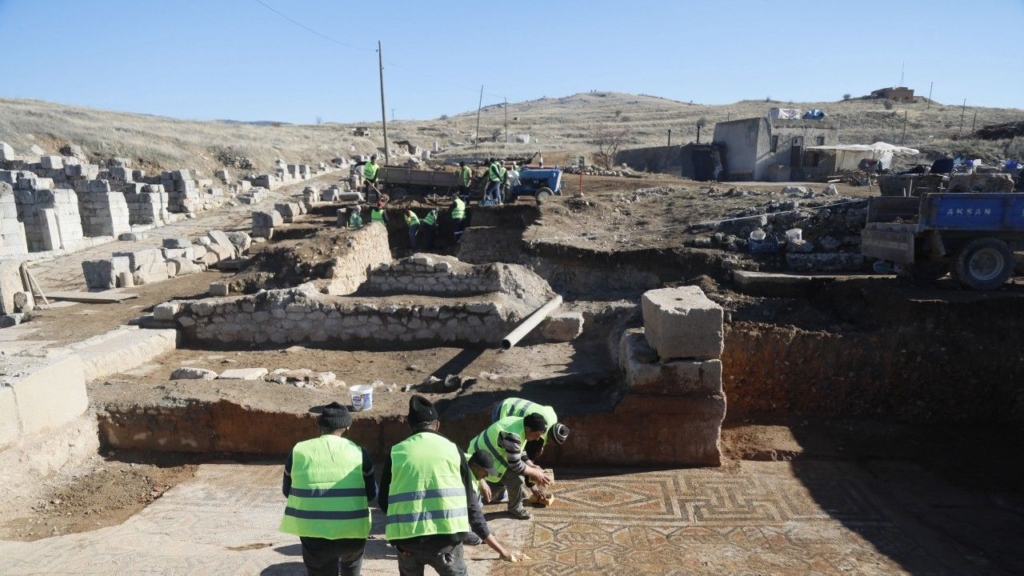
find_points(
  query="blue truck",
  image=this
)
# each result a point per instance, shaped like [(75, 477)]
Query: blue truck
[(972, 237)]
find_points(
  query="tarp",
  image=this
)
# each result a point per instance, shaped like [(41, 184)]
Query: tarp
[(784, 114)]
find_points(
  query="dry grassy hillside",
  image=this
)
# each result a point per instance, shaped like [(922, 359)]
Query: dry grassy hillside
[(558, 127)]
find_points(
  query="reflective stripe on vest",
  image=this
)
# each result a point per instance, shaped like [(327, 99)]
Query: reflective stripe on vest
[(523, 408), (459, 211), (465, 176), (427, 495), (377, 215), (411, 218), (494, 173), (431, 218), (355, 220), (370, 170), (488, 440), (327, 498)]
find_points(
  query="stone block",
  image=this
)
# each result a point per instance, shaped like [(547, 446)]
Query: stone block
[(122, 350), (150, 273), (563, 326), (186, 373), (241, 241), (243, 374), (672, 378), (176, 243), (10, 284), (183, 266), (6, 152), (288, 211), (166, 311), (52, 162), (51, 394), (219, 288), (219, 238), (223, 252), (99, 274), (683, 323)]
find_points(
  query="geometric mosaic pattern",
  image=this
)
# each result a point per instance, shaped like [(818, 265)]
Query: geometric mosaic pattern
[(758, 518)]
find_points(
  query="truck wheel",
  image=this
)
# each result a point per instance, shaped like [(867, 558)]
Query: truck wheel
[(543, 194), (983, 263), (927, 270), (398, 193)]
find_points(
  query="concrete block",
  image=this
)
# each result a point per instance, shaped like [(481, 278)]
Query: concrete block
[(10, 284), (562, 327), (219, 289), (683, 323), (186, 373), (6, 152), (265, 220), (243, 374), (52, 162), (123, 350), (51, 394)]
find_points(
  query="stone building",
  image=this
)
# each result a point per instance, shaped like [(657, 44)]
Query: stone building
[(773, 149), (900, 94)]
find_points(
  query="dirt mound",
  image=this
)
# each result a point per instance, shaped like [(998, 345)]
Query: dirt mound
[(292, 262), (1001, 131)]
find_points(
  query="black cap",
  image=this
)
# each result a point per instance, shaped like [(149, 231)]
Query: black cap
[(334, 416), (535, 422), (421, 410), (484, 460), (560, 432)]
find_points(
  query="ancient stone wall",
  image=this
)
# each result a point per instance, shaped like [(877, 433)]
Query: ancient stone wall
[(367, 248), (422, 274), (303, 315)]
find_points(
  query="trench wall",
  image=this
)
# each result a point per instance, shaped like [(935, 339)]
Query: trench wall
[(368, 248)]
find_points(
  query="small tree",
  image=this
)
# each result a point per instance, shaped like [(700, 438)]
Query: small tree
[(888, 103), (847, 96), (608, 142)]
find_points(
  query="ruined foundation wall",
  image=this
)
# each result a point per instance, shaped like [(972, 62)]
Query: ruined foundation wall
[(368, 248), (304, 315)]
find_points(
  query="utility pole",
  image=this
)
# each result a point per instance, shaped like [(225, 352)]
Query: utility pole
[(930, 86), (383, 110), (476, 140), (670, 137), (962, 112), (506, 120), (904, 139)]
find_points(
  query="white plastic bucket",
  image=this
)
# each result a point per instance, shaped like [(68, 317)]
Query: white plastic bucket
[(794, 234), (757, 235), (362, 397)]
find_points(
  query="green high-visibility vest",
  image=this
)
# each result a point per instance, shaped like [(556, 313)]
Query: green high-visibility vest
[(427, 495), (523, 408), (465, 176), (459, 211), (377, 215), (431, 218), (355, 220), (328, 495), (494, 173), (488, 440), (411, 218), (370, 170)]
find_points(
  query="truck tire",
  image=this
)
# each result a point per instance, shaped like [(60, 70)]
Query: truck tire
[(398, 193), (543, 194), (927, 270), (983, 263)]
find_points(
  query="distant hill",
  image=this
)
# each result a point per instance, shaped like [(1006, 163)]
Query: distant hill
[(558, 127)]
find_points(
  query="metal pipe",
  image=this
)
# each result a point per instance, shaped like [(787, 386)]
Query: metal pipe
[(530, 323)]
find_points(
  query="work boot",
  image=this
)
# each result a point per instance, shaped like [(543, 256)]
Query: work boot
[(519, 513)]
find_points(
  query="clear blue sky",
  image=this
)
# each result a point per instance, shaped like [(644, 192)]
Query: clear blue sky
[(236, 59)]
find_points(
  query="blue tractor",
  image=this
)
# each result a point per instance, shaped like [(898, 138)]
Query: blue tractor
[(541, 183)]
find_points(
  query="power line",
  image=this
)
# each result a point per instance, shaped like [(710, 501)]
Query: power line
[(308, 29)]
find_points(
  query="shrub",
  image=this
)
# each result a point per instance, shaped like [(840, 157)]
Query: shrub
[(888, 104)]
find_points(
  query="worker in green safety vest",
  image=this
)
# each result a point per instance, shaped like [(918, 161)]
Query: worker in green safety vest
[(328, 481), (495, 178), (355, 219), (458, 212), (379, 214), (427, 497), (504, 439), (465, 177), (534, 448), (413, 222), (370, 178), (429, 227)]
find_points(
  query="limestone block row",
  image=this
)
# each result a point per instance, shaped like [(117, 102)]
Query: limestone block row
[(103, 213), (422, 275), (290, 316)]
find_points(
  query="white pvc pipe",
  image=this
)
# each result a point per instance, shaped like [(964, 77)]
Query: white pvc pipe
[(530, 323)]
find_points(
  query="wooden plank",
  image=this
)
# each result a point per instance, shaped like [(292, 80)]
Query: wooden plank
[(92, 297)]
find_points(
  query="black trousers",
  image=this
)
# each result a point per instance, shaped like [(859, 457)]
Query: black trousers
[(324, 557)]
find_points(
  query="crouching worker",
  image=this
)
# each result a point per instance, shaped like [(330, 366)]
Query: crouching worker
[(329, 482), (505, 440), (534, 448)]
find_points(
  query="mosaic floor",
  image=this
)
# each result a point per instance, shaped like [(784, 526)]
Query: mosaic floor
[(759, 518)]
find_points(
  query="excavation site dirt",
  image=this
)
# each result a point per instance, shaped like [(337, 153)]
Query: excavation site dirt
[(846, 402)]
